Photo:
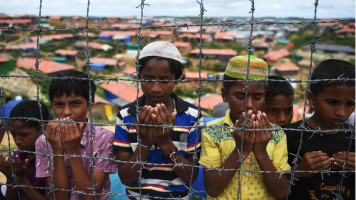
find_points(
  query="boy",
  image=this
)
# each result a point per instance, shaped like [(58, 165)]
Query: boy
[(262, 150), (279, 101), (69, 96), (160, 65), (333, 102), (25, 133)]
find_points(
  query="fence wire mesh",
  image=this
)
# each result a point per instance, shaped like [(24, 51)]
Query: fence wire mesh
[(38, 76)]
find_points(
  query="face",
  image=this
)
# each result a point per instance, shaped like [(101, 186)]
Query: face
[(235, 97), (24, 136), (74, 107), (332, 106), (157, 91), (279, 109)]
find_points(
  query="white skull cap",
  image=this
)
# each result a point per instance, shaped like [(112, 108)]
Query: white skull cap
[(161, 49)]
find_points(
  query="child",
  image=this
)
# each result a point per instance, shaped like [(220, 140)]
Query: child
[(69, 96), (262, 150), (279, 101), (159, 61), (333, 102), (25, 133)]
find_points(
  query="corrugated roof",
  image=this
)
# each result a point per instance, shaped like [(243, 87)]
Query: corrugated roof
[(195, 75), (15, 21), (195, 35), (305, 63), (98, 99), (130, 70), (107, 61), (209, 101), (65, 52), (124, 25), (53, 37), (181, 44), (113, 33), (346, 29), (45, 66), (228, 52), (3, 59), (286, 67), (122, 90), (276, 55), (224, 36), (55, 17)]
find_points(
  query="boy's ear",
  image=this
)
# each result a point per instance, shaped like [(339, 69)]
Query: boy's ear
[(224, 94), (311, 98)]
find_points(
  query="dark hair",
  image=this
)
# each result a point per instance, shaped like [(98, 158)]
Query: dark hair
[(30, 109), (274, 88), (332, 69), (71, 82), (229, 81), (176, 67)]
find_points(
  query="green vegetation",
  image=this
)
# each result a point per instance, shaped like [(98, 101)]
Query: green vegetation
[(191, 92), (9, 38), (229, 45), (302, 39), (6, 67)]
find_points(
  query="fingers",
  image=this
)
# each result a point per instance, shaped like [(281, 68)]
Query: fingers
[(64, 131), (148, 116), (340, 158), (350, 166), (314, 154), (239, 121), (317, 160)]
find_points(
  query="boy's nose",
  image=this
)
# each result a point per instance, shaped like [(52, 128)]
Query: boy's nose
[(156, 87), (18, 141), (340, 111), (66, 111), (250, 104), (282, 119)]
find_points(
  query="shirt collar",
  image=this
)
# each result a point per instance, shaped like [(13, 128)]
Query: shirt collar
[(227, 119)]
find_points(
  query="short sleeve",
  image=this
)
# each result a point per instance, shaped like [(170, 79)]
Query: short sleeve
[(42, 161), (121, 137), (194, 138), (280, 153), (210, 156), (105, 153)]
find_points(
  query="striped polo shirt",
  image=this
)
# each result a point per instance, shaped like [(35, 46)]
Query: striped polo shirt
[(158, 178)]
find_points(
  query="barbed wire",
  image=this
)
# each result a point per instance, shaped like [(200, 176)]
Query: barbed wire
[(37, 75)]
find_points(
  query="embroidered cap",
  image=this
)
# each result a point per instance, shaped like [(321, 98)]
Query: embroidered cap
[(237, 68), (161, 49)]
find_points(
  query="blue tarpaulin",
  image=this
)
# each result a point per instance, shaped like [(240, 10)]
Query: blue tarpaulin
[(97, 66), (6, 109)]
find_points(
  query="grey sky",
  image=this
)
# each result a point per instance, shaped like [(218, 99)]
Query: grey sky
[(215, 8)]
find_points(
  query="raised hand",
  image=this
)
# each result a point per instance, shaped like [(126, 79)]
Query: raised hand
[(339, 159), (245, 137), (313, 161), (54, 136), (71, 136), (161, 116), (146, 132), (5, 165), (262, 137)]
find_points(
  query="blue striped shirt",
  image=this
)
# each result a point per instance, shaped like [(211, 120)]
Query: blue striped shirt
[(158, 178)]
